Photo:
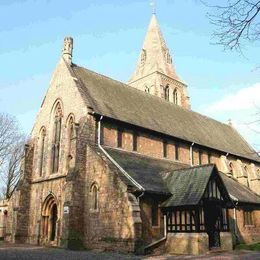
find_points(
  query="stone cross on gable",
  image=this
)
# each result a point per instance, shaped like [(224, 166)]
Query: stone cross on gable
[(67, 49)]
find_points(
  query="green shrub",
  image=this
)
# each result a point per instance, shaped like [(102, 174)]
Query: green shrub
[(253, 247)]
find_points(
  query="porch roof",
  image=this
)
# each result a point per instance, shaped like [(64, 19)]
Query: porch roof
[(187, 186), (239, 192), (184, 184), (147, 171)]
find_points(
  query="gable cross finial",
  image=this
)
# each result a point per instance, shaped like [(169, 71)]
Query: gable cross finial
[(153, 5)]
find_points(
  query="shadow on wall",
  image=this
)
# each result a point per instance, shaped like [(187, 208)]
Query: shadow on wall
[(240, 233)]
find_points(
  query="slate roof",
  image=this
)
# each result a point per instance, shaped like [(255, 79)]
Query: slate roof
[(145, 170), (239, 192), (119, 101), (186, 184)]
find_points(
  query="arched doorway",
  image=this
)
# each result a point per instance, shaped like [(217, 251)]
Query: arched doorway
[(53, 221), (49, 220)]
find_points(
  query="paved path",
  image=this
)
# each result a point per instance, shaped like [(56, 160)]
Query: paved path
[(24, 252)]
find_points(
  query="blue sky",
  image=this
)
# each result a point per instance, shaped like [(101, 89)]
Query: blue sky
[(108, 36)]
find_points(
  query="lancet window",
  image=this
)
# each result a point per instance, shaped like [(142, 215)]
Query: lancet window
[(42, 149), (56, 138)]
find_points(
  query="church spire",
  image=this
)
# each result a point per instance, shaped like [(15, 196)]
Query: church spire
[(154, 62)]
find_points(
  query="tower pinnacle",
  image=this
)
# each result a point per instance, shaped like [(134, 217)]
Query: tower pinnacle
[(67, 49)]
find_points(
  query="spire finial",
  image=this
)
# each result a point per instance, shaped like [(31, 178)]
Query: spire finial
[(153, 5)]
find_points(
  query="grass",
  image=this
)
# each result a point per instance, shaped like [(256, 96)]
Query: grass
[(253, 247)]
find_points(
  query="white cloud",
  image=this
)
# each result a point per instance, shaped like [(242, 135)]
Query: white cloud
[(243, 108), (244, 99)]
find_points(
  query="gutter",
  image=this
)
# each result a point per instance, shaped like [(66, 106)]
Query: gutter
[(135, 183)]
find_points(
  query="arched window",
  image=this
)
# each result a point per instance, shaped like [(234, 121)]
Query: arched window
[(175, 97), (231, 168), (246, 170), (166, 93), (70, 127), (246, 173), (56, 138), (41, 149), (94, 196), (70, 132), (146, 89)]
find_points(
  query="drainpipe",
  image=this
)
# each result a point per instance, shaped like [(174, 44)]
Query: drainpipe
[(235, 220), (165, 226), (191, 154), (138, 197), (136, 184)]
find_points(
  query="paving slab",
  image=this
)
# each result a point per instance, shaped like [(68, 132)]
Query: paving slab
[(24, 252)]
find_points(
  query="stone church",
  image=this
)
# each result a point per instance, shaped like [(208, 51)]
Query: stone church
[(131, 167)]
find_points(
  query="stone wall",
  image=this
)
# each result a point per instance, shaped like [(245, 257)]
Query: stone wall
[(40, 190), (3, 217), (63, 90), (151, 233), (187, 243), (226, 241), (247, 234), (24, 198), (194, 243), (116, 223), (11, 224), (25, 226)]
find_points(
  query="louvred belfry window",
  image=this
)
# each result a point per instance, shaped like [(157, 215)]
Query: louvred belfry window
[(175, 96), (166, 93), (56, 139)]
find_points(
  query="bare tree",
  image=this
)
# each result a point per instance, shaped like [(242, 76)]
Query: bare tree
[(10, 172), (8, 135), (11, 151), (236, 22)]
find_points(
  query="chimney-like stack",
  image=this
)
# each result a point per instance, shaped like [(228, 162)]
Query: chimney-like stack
[(67, 49)]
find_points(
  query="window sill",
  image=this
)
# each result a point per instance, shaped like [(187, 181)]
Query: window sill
[(156, 226), (249, 226), (48, 178), (93, 210)]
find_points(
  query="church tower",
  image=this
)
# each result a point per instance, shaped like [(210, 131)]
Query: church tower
[(155, 73)]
